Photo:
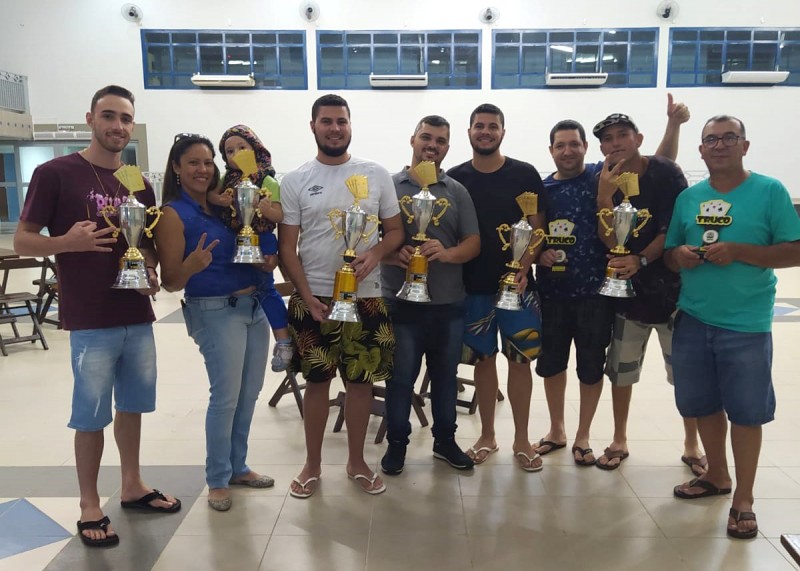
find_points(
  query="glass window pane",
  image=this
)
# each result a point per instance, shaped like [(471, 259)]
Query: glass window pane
[(642, 79), (739, 35), (615, 36), (184, 38), (330, 38), (385, 60), (205, 38), (331, 60), (790, 58), (291, 38), (533, 80), (440, 38), (332, 81), (156, 37), (292, 61), (158, 59), (158, 80), (183, 82), (265, 60), (642, 58), (588, 36), (411, 60), (643, 36), (506, 81), (263, 38), (682, 57), (615, 58), (764, 57), (561, 59), (353, 39), (616, 79), (237, 38), (184, 58), (464, 81), (293, 81), (710, 78), (439, 80), (710, 57), (506, 37), (238, 60), (465, 59), (534, 37), (412, 39), (791, 35), (439, 59), (557, 37), (765, 35), (586, 58), (712, 35), (468, 38), (358, 81), (737, 57), (682, 79), (534, 59), (359, 60), (385, 39), (267, 81), (684, 35), (211, 59)]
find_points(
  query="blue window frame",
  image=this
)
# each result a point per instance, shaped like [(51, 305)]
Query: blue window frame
[(451, 58), (699, 56), (277, 59), (523, 58)]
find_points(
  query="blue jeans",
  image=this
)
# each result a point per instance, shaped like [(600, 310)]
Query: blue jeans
[(233, 337), (435, 331)]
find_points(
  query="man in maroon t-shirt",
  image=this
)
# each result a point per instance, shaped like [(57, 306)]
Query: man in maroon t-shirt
[(111, 330)]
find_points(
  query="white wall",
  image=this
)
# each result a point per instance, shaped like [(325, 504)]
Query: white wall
[(69, 49)]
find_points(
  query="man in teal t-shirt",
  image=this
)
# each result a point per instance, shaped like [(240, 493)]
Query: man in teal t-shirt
[(726, 236)]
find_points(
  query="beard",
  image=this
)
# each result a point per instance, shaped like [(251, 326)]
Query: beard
[(486, 151), (332, 151)]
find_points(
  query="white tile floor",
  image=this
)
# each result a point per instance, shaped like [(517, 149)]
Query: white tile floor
[(431, 517)]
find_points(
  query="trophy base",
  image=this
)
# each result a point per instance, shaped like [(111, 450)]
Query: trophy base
[(615, 287), (132, 278), (509, 300), (416, 292), (344, 311), (248, 255)]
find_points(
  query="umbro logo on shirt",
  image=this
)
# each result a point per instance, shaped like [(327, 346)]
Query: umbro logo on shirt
[(314, 190)]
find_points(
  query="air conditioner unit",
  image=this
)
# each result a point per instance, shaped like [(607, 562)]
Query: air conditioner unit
[(576, 79), (755, 77), (398, 81), (202, 80)]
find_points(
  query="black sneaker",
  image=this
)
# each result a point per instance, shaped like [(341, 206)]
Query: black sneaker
[(449, 451), (393, 461)]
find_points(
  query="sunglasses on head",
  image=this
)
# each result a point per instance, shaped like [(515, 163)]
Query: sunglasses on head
[(182, 136)]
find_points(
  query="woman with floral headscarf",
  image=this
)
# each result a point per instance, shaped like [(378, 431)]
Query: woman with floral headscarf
[(235, 139)]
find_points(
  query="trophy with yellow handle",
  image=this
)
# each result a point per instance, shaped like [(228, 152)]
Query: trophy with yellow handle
[(247, 198)]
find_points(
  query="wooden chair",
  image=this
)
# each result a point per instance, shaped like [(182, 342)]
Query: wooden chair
[(48, 293), (9, 302), (471, 405)]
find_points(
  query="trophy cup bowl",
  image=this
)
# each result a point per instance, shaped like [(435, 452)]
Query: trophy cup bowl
[(132, 219), (520, 235), (345, 285), (627, 222), (247, 248)]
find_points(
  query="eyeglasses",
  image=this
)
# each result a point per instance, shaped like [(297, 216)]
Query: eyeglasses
[(728, 139), (182, 136)]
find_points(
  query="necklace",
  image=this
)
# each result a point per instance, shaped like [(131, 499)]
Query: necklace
[(97, 176)]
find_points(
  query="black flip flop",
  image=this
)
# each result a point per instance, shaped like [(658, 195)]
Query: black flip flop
[(102, 524), (143, 503), (709, 490), (742, 516), (611, 454), (692, 461), (583, 452), (553, 446)]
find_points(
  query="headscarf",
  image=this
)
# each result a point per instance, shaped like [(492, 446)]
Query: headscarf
[(233, 175)]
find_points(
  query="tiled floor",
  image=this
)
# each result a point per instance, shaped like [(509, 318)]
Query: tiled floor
[(431, 517)]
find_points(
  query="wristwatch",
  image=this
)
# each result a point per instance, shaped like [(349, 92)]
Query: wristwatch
[(643, 261)]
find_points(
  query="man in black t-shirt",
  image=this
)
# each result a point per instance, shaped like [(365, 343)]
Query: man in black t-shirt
[(494, 182), (656, 287)]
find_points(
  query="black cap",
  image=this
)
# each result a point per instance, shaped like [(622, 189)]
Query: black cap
[(614, 119)]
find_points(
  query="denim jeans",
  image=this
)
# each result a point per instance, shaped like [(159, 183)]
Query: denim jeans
[(435, 331), (233, 336)]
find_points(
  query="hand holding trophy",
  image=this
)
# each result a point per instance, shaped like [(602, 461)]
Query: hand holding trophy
[(352, 226), (520, 235), (132, 219), (423, 203), (247, 197), (627, 222)]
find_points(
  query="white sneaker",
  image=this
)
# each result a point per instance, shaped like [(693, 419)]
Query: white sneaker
[(282, 354)]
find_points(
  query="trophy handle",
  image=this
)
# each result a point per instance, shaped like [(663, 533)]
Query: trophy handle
[(645, 215), (105, 211), (602, 214), (374, 219), (541, 234), (445, 204), (403, 201), (157, 212), (500, 229), (263, 193), (336, 213)]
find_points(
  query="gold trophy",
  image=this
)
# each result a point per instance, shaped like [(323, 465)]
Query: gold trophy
[(520, 235), (352, 225), (132, 219), (248, 195), (627, 222), (423, 203)]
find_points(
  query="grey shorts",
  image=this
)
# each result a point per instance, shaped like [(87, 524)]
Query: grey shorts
[(629, 345)]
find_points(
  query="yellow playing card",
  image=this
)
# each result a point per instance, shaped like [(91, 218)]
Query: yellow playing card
[(628, 183), (130, 176), (245, 161), (425, 173), (358, 186), (529, 203)]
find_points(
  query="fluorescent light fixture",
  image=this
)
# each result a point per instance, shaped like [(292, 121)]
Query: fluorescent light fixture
[(202, 80), (755, 77), (565, 49)]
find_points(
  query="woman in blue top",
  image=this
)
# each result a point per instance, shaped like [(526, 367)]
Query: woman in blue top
[(221, 311)]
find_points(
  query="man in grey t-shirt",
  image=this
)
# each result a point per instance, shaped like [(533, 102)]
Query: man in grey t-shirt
[(433, 329)]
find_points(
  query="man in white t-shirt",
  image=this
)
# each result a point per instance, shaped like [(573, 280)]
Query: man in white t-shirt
[(362, 352)]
